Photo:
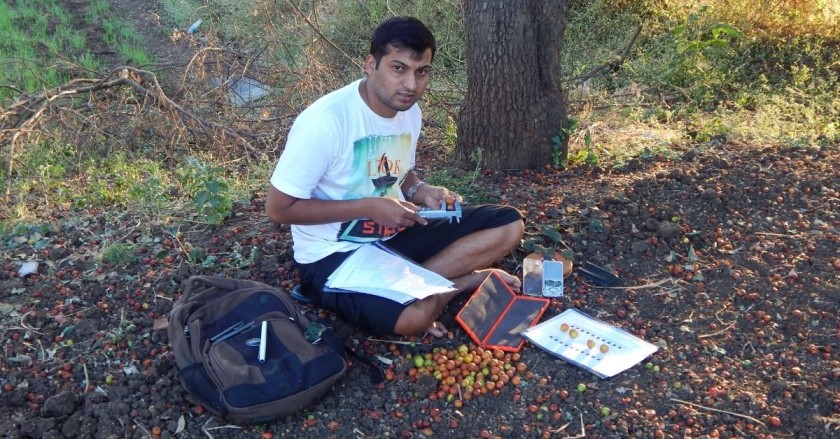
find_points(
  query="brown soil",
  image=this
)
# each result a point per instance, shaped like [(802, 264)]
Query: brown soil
[(747, 324)]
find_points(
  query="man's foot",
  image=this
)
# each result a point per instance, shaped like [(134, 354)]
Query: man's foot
[(471, 281), (437, 330)]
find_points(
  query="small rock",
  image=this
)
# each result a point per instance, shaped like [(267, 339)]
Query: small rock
[(721, 164), (401, 365), (778, 385), (633, 165), (662, 249), (708, 194), (183, 273), (667, 229), (36, 427), (57, 252), (60, 405), (425, 385), (639, 247), (93, 398), (269, 264)]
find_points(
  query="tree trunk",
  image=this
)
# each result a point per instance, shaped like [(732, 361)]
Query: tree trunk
[(514, 104)]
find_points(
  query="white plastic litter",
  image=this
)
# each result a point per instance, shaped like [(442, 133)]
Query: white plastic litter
[(28, 268), (247, 90)]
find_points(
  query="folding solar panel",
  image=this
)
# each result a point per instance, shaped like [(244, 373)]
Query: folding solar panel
[(495, 315)]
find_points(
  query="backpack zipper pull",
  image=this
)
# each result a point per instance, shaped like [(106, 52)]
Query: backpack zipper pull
[(187, 331)]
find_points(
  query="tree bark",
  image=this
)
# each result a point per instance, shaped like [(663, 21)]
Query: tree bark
[(514, 104)]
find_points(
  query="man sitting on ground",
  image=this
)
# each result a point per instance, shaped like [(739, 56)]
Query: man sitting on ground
[(346, 178)]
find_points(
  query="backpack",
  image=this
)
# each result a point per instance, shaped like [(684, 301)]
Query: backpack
[(229, 367)]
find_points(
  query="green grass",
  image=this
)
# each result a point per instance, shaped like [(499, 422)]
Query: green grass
[(36, 36)]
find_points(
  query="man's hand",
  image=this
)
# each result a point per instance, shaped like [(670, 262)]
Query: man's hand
[(433, 196), (393, 213)]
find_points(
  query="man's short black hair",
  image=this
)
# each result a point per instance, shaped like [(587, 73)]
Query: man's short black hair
[(401, 33)]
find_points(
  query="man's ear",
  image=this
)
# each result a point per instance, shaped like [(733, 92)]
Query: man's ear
[(370, 64)]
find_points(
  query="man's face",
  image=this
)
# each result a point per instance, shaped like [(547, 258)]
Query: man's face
[(398, 82)]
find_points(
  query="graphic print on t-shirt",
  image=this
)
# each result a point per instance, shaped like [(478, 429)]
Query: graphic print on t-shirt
[(379, 167)]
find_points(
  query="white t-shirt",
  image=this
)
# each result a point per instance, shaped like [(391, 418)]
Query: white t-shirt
[(339, 149)]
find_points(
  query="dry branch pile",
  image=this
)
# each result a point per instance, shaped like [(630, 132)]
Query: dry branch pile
[(133, 110)]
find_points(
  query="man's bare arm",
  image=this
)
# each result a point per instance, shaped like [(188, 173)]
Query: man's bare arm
[(284, 209)]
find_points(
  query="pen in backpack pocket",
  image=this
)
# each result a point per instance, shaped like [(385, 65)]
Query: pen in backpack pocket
[(263, 337), (232, 331)]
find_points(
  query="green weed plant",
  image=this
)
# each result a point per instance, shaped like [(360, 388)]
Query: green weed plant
[(119, 254), (565, 134), (206, 185)]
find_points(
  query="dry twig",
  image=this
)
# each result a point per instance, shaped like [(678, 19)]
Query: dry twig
[(24, 116), (318, 32), (727, 328), (614, 62), (207, 430), (379, 340), (638, 287), (23, 322), (143, 428), (717, 410), (830, 421), (87, 378), (582, 430)]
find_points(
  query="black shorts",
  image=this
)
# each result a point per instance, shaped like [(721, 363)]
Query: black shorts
[(417, 243)]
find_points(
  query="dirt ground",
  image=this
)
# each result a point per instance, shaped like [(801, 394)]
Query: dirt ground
[(728, 258)]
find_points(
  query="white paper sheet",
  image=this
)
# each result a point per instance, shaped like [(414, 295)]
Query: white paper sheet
[(373, 270)]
